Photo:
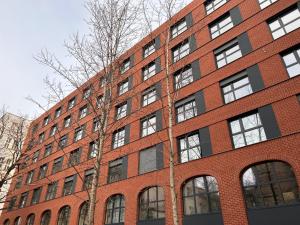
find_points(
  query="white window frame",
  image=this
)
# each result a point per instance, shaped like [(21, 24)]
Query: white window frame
[(220, 26), (181, 50), (149, 96), (123, 87), (148, 125), (149, 70), (228, 53), (121, 110), (291, 61), (183, 77), (119, 138), (149, 48), (265, 3), (214, 5), (179, 28)]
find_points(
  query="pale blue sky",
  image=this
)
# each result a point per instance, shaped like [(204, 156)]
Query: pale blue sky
[(27, 26)]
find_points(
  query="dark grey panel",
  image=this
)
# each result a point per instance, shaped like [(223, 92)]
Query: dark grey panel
[(128, 107), (127, 133), (255, 78), (285, 215), (160, 156), (204, 219), (244, 43), (157, 65), (124, 167), (205, 142), (200, 102), (130, 82), (152, 222), (131, 60), (196, 70), (189, 20), (193, 44), (269, 122), (236, 15), (158, 115), (157, 43), (158, 89)]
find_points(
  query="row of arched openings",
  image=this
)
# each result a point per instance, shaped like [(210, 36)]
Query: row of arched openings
[(265, 185)]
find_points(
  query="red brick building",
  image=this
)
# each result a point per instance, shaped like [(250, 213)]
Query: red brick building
[(235, 67)]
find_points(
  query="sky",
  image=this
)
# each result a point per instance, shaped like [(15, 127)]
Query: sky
[(26, 27)]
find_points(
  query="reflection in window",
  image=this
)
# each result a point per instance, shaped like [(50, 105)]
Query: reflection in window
[(46, 216), (264, 3), (270, 184), (64, 215), (201, 196), (292, 62), (285, 23), (115, 210), (189, 147), (152, 204), (18, 221), (30, 219), (247, 130), (83, 212)]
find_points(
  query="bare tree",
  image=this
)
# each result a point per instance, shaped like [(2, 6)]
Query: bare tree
[(12, 135), (155, 13), (112, 30)]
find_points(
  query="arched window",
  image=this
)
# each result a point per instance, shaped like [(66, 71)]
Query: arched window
[(115, 209), (269, 184), (30, 219), (201, 196), (152, 204), (18, 221), (6, 222), (46, 216), (64, 215), (83, 214)]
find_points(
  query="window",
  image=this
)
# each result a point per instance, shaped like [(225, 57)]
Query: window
[(19, 182), (149, 96), (119, 138), (57, 165), (23, 200), (46, 120), (115, 210), (151, 159), (181, 50), (264, 3), (64, 215), (149, 48), (53, 130), (6, 222), (149, 70), (117, 170), (121, 110), (236, 87), (67, 121), (96, 124), (63, 141), (152, 204), (183, 77), (212, 5), (221, 26), (83, 213), (83, 111), (30, 219), (12, 203), (292, 62), (46, 216), (190, 148), (178, 28), (43, 171), (247, 130), (125, 66), (201, 196), (69, 185), (148, 125), (57, 112), (93, 149), (48, 150), (71, 103), (100, 101), (88, 179), (186, 109), (270, 184), (87, 93), (79, 133), (285, 23), (123, 87), (51, 190), (36, 195), (18, 221), (74, 158), (29, 178), (228, 53), (41, 137)]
